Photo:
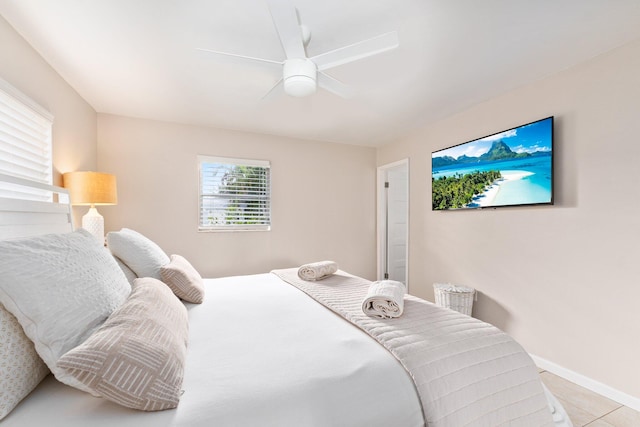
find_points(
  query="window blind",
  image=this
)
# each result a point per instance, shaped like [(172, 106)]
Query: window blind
[(234, 194), (25, 143)]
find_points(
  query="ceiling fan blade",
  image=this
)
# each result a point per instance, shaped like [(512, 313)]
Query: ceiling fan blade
[(356, 51), (250, 58), (334, 86), (285, 19), (273, 91)]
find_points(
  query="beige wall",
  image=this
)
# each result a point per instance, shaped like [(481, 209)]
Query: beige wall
[(74, 126), (562, 280), (323, 196)]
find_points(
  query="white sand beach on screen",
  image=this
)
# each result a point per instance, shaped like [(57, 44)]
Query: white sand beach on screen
[(487, 197)]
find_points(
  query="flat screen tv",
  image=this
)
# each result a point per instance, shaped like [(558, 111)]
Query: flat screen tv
[(509, 168)]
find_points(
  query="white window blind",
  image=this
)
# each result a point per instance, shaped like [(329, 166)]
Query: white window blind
[(234, 194), (25, 143)]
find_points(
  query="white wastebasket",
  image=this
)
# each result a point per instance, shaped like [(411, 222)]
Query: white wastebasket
[(455, 297)]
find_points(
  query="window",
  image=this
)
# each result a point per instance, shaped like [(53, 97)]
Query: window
[(234, 194), (25, 143)]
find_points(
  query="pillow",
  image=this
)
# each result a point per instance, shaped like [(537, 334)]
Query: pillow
[(128, 273), (140, 254), (183, 279), (136, 359), (21, 369), (60, 287)]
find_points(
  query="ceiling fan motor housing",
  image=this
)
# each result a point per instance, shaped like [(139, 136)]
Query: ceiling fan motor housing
[(299, 76)]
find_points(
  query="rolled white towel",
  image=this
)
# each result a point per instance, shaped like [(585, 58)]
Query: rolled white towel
[(385, 299), (317, 270)]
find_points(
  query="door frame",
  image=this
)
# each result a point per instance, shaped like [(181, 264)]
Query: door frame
[(381, 218)]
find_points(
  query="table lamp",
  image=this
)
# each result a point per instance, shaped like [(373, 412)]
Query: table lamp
[(91, 189)]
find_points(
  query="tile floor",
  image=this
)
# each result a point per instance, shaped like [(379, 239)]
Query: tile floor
[(586, 408)]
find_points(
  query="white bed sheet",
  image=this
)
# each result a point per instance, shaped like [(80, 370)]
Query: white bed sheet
[(260, 353)]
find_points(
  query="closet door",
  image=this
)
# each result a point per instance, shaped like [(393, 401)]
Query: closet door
[(393, 221)]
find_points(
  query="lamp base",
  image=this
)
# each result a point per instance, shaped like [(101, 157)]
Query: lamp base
[(93, 222)]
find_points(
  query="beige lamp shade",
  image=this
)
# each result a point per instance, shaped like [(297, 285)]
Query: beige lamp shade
[(91, 188)]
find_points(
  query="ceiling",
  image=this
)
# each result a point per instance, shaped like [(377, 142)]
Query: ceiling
[(138, 58)]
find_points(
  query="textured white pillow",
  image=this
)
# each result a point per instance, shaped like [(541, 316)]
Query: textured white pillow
[(21, 369), (128, 273), (140, 253), (61, 288)]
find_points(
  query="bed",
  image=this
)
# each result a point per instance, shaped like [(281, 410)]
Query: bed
[(263, 351)]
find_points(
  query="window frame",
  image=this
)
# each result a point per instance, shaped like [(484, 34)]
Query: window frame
[(203, 159)]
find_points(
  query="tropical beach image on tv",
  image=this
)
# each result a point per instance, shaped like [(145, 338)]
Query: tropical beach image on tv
[(509, 168)]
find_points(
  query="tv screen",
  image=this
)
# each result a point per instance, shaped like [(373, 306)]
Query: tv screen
[(509, 168)]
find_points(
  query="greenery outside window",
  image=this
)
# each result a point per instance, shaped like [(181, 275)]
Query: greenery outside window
[(234, 194)]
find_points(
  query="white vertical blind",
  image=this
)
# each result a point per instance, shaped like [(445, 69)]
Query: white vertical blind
[(234, 194), (25, 142)]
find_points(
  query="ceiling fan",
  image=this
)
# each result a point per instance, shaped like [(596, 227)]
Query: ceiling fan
[(302, 75)]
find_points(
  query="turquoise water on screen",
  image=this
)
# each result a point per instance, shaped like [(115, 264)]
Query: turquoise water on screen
[(534, 188)]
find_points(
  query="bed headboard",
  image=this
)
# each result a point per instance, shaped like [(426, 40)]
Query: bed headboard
[(24, 218)]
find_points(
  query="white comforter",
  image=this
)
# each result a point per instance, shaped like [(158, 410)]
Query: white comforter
[(261, 353)]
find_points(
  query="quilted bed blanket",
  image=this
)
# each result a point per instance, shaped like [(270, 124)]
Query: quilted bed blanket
[(466, 372)]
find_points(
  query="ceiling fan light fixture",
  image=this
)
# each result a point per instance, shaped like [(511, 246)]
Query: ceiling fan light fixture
[(299, 77), (299, 86)]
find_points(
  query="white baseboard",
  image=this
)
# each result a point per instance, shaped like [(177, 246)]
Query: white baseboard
[(588, 383)]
